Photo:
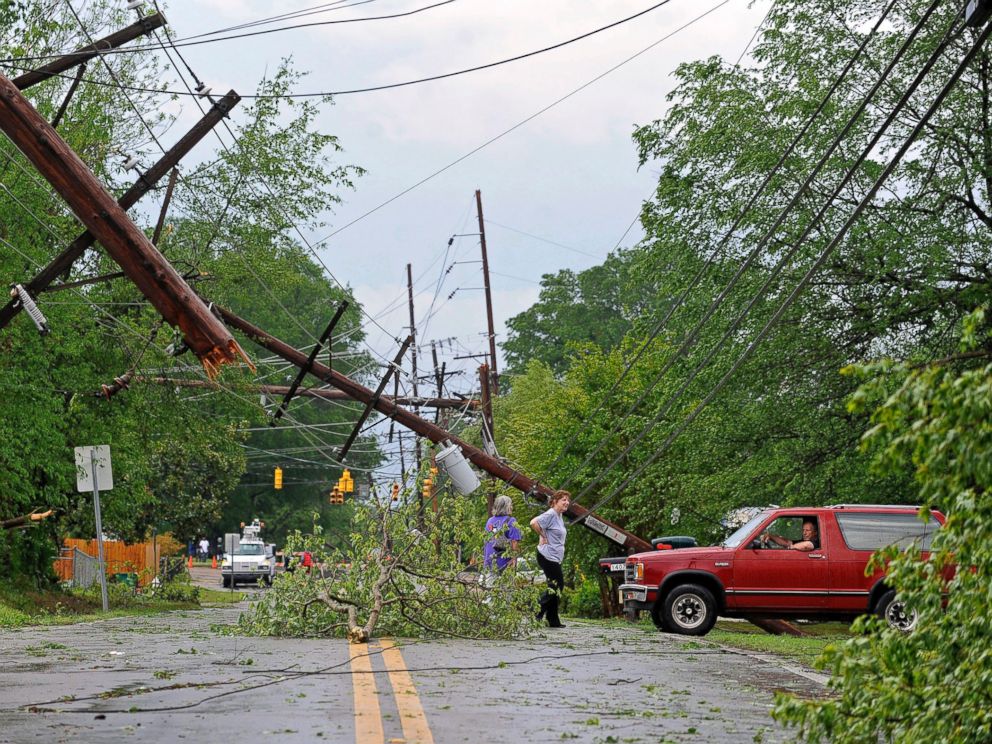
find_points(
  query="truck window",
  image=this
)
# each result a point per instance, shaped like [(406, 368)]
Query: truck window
[(877, 531), (742, 532), (250, 549)]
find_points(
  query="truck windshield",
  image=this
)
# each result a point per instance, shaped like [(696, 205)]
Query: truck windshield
[(251, 549), (742, 532)]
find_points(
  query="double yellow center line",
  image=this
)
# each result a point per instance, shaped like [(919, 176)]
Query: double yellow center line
[(368, 717)]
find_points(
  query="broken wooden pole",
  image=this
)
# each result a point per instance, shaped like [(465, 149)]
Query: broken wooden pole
[(109, 223), (63, 262), (310, 360)]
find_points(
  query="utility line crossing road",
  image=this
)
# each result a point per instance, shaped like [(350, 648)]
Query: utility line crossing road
[(173, 678)]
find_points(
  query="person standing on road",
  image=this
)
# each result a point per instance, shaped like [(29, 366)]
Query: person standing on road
[(550, 528), (204, 548), (500, 550)]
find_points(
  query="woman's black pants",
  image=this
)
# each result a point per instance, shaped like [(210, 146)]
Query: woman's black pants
[(549, 599)]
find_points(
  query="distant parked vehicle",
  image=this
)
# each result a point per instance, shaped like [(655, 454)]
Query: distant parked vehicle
[(251, 561), (770, 568)]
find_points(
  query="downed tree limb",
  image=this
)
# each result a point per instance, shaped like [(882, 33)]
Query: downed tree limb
[(25, 521)]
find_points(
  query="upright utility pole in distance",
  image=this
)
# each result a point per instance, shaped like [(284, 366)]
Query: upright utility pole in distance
[(413, 368), (489, 296)]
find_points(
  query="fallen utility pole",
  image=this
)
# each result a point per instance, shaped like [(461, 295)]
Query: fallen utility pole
[(154, 277), (141, 27), (63, 262), (470, 404), (388, 407)]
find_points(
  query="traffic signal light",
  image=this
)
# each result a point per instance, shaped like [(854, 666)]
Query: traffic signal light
[(336, 496), (396, 492), (349, 482), (277, 479)]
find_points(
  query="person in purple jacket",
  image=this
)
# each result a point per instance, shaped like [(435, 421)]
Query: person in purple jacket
[(503, 535)]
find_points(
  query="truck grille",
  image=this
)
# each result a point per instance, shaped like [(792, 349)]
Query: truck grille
[(628, 573)]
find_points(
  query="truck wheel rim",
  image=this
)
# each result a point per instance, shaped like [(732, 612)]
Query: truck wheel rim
[(689, 611), (899, 618)]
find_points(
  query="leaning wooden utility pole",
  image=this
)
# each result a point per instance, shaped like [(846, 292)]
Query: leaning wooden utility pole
[(489, 296), (388, 407), (141, 27), (109, 223)]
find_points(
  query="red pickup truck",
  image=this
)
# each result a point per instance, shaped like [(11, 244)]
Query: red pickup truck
[(784, 563)]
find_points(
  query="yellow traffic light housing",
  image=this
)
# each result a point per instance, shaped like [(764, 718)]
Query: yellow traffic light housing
[(396, 492), (277, 479)]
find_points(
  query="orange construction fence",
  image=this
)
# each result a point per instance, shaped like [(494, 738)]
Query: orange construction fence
[(121, 558)]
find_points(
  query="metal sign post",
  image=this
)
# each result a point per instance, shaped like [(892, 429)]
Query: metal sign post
[(98, 459)]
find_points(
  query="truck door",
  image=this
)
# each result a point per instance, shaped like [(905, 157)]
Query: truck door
[(769, 575)]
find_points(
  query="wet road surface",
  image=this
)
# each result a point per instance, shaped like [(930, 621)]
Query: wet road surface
[(173, 678)]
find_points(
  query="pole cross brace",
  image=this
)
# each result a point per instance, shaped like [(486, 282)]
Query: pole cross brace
[(305, 369)]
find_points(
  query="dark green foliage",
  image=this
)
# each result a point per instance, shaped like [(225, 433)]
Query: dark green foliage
[(179, 454)]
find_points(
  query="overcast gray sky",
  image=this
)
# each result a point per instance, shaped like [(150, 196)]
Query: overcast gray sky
[(569, 176)]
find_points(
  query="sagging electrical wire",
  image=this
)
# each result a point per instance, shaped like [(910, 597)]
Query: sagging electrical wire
[(821, 259)]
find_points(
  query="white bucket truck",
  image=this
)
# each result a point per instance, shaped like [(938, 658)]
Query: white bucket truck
[(247, 557)]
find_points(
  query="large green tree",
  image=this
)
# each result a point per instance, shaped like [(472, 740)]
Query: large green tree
[(236, 230), (914, 264)]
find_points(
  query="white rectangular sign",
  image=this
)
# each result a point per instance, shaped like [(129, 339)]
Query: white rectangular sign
[(84, 472), (605, 530)]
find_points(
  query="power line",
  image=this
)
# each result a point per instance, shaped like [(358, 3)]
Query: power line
[(519, 124), (138, 48), (550, 242), (821, 259), (389, 86), (689, 339)]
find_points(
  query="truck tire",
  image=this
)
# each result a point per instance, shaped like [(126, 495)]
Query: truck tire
[(689, 609), (225, 581), (895, 613), (658, 617)]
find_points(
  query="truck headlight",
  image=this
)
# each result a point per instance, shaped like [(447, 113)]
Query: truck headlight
[(638, 572)]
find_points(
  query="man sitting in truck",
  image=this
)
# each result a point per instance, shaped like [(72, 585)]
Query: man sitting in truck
[(809, 541)]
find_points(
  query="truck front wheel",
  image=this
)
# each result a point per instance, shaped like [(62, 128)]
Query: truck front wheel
[(689, 609), (894, 611)]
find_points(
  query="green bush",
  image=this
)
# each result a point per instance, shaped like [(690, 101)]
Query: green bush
[(584, 600), (178, 590), (11, 618)]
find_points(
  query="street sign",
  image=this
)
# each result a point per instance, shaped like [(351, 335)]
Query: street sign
[(84, 471)]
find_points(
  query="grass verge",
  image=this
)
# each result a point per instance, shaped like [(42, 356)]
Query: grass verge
[(22, 605), (804, 649), (220, 596)]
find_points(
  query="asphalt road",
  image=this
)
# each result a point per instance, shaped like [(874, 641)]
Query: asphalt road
[(172, 678)]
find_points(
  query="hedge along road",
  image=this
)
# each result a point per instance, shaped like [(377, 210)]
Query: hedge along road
[(172, 678)]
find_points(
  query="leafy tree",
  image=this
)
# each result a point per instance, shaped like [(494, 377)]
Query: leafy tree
[(591, 306), (397, 579), (931, 685), (178, 457)]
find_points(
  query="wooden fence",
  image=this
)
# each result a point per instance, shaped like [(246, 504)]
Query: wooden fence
[(121, 558)]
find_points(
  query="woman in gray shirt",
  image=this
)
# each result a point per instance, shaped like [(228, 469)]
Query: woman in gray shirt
[(550, 528)]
